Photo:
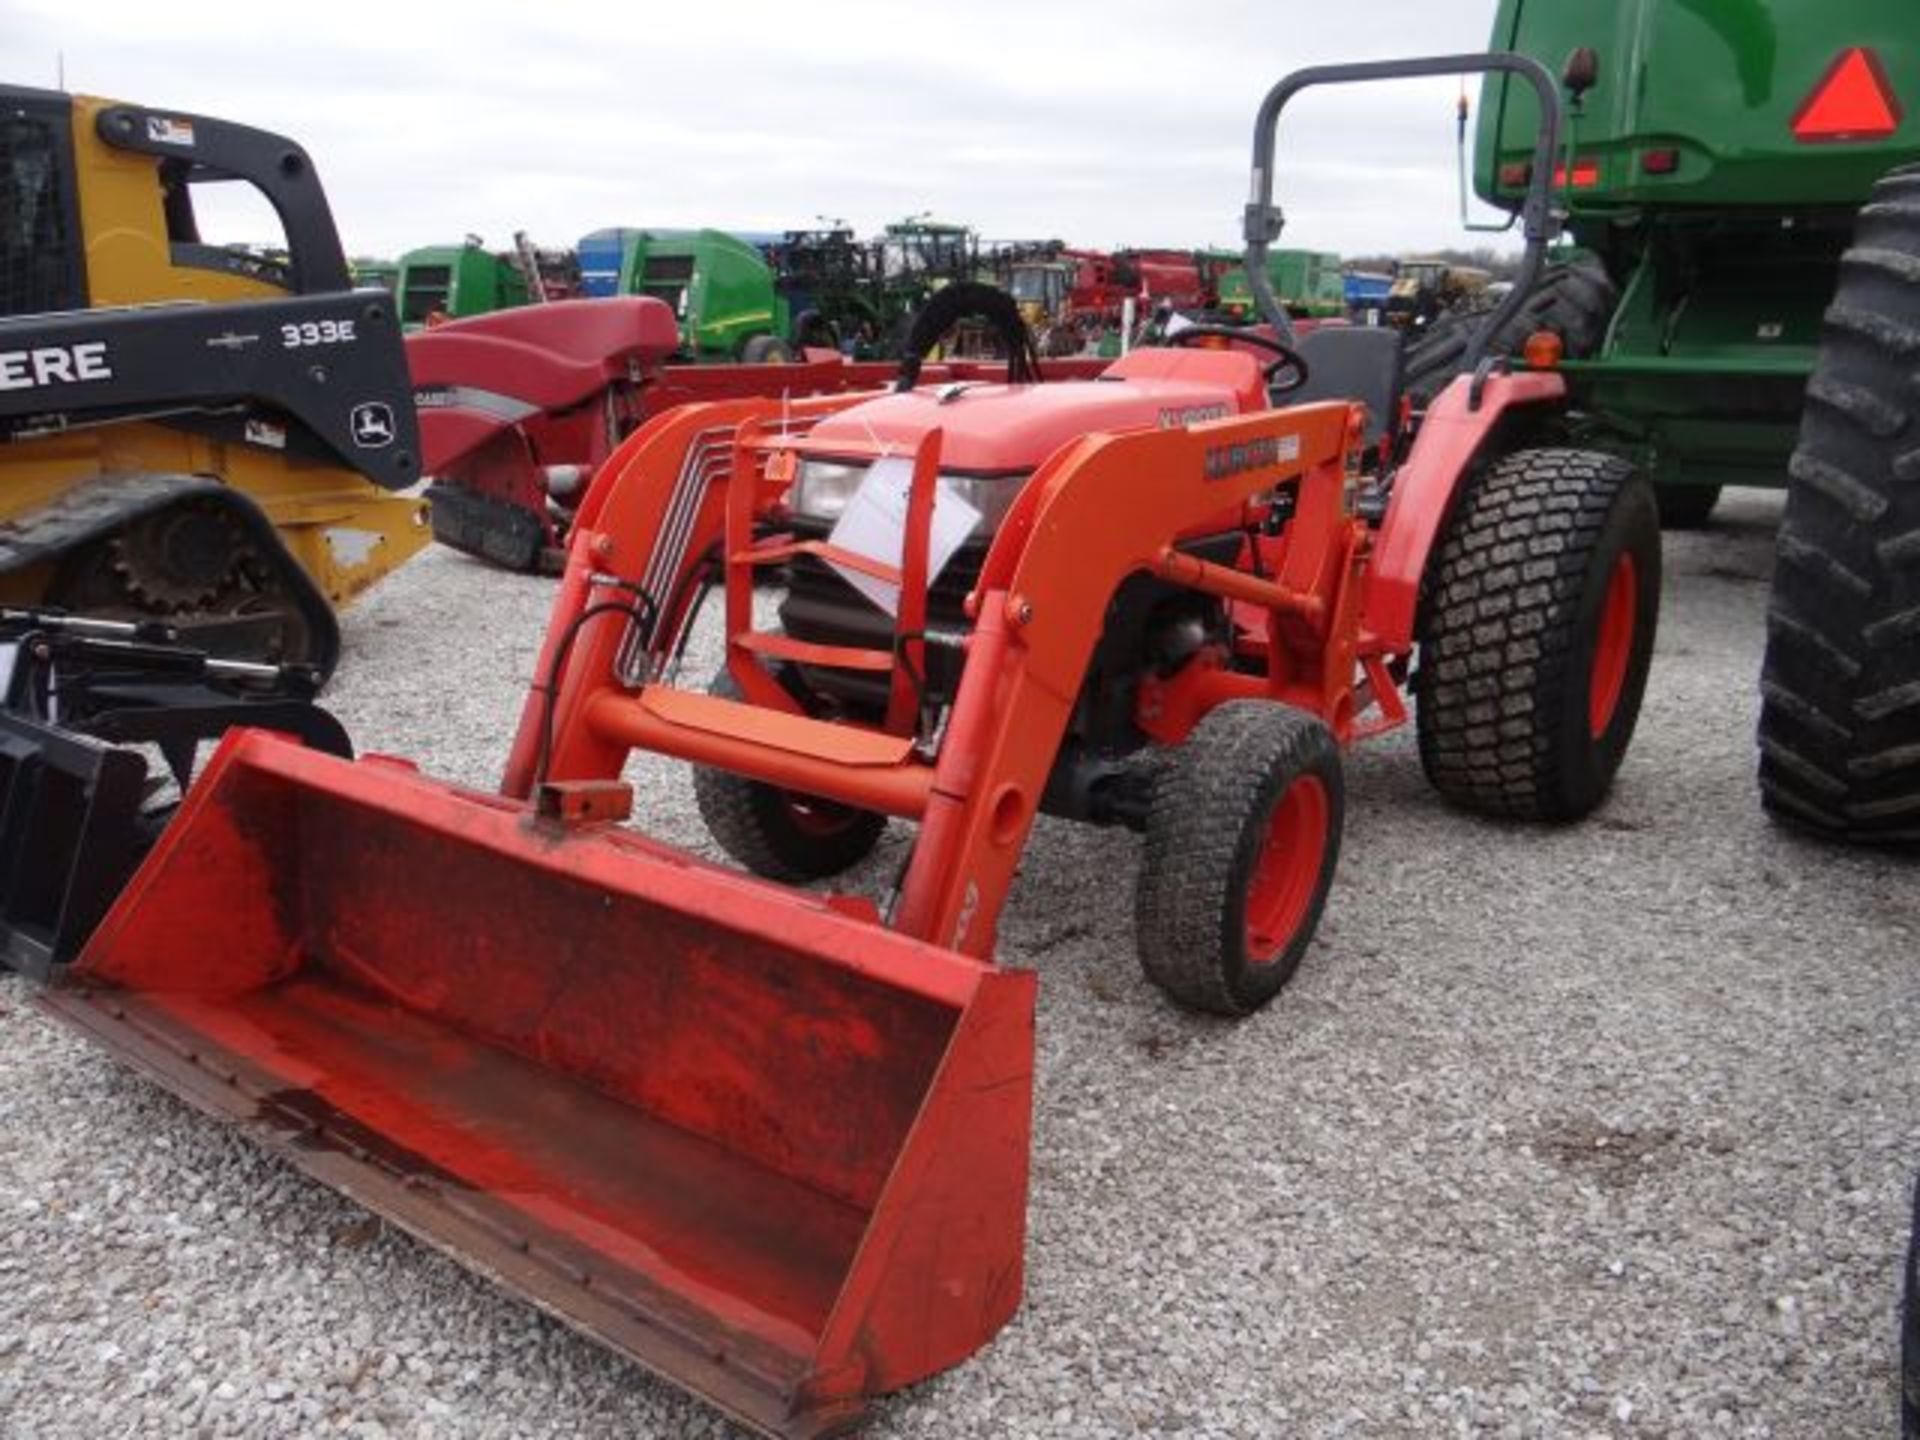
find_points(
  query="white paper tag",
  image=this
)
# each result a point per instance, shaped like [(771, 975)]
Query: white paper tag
[(874, 524)]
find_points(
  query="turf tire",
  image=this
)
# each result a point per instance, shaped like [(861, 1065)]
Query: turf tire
[(1510, 623), (778, 833), (1212, 806)]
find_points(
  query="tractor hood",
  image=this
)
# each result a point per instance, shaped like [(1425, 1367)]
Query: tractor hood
[(1001, 429)]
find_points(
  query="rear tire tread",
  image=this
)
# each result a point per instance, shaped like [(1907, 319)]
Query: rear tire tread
[(1840, 688), (1210, 790), (1500, 662)]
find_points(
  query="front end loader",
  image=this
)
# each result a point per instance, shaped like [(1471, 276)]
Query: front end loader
[(773, 1142)]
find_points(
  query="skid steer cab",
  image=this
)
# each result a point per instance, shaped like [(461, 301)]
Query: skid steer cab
[(773, 1141), (202, 436)]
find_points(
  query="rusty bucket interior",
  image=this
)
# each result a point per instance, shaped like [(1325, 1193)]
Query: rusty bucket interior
[(770, 1148)]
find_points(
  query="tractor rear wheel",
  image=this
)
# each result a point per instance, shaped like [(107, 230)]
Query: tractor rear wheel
[(1840, 686), (1574, 299), (781, 834), (1686, 507), (1536, 634), (1241, 842)]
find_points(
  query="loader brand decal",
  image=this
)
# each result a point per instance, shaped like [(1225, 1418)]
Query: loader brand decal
[(1175, 417), (54, 364), (165, 130), (232, 340), (372, 422), (1225, 461)]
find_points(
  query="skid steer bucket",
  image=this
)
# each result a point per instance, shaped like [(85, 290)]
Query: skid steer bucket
[(69, 816), (769, 1148)]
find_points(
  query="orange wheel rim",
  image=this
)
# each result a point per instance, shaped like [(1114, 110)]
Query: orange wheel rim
[(1286, 872), (1613, 646)]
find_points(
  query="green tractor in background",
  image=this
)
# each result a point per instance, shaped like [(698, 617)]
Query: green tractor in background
[(1741, 181), (450, 282)]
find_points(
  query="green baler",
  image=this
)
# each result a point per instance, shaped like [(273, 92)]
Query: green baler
[(720, 287), (454, 281), (1717, 162), (1309, 283), (1747, 174)]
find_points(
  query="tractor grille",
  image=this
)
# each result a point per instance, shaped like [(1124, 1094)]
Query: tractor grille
[(427, 287), (39, 259), (823, 608)]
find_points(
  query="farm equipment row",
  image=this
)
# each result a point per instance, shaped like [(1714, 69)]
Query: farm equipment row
[(761, 299), (774, 1142)]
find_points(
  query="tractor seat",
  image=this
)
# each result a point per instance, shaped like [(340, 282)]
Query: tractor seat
[(1353, 362)]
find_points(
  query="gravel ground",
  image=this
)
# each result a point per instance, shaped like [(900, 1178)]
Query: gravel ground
[(1596, 1131)]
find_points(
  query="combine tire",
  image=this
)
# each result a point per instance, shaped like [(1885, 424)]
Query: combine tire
[(1574, 299), (1536, 634), (778, 833), (1840, 687), (1242, 838), (1686, 507), (1910, 1332)]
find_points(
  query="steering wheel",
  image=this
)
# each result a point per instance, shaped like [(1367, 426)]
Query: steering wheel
[(1287, 358)]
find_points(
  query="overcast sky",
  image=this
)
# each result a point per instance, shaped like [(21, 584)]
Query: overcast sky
[(1104, 124)]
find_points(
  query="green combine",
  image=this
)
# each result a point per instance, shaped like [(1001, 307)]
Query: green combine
[(1745, 175)]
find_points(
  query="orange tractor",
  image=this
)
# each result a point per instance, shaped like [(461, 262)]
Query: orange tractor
[(773, 1142)]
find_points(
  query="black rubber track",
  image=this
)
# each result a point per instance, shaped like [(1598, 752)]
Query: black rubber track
[(1574, 299), (1840, 686), (754, 822), (1507, 630), (1204, 830)]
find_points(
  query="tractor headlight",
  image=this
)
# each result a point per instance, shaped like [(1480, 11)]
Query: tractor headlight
[(822, 489)]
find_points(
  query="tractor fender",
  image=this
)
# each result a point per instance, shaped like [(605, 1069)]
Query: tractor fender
[(96, 508), (1453, 438)]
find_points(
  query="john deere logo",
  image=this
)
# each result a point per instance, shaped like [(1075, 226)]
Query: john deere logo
[(372, 424)]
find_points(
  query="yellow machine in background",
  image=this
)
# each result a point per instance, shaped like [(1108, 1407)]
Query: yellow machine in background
[(210, 435)]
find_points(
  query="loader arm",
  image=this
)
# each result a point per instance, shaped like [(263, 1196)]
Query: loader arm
[(659, 512)]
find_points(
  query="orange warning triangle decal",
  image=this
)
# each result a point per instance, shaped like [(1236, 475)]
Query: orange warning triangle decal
[(1853, 101)]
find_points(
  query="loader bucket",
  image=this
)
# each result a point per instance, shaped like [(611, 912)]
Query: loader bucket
[(69, 837), (769, 1148)]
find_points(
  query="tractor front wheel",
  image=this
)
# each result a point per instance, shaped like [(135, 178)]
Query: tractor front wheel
[(1242, 839), (1537, 633), (781, 834)]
